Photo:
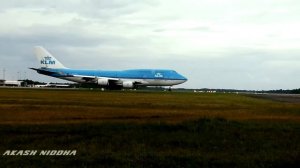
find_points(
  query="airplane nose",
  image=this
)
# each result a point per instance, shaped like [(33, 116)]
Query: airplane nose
[(183, 78), (180, 79)]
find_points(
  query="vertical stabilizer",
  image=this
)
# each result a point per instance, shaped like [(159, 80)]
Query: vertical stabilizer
[(46, 59)]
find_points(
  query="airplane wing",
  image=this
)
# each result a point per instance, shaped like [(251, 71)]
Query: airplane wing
[(111, 81), (90, 78), (96, 79)]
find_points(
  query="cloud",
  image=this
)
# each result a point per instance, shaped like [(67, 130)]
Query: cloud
[(215, 43)]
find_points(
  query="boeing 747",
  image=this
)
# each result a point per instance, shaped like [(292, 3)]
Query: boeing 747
[(50, 66)]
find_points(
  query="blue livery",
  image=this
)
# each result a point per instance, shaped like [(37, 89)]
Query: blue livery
[(50, 66)]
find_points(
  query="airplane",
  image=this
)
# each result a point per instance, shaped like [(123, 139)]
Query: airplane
[(41, 86), (52, 85), (133, 78), (58, 85)]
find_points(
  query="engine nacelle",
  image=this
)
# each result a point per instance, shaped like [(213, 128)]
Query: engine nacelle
[(102, 82), (128, 84)]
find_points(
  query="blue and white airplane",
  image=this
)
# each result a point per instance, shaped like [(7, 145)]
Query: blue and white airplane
[(50, 66)]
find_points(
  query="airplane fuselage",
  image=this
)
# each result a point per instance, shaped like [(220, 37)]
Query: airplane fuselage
[(50, 66), (140, 77)]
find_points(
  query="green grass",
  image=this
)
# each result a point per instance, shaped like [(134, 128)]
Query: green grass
[(200, 143), (148, 129)]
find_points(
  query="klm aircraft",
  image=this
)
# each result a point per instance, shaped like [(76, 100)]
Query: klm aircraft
[(50, 66)]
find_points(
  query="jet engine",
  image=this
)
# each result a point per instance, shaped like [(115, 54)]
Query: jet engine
[(128, 84), (102, 82)]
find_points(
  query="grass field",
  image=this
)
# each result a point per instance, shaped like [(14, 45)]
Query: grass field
[(148, 129)]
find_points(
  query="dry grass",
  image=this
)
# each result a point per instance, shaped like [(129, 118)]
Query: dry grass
[(147, 129), (32, 106)]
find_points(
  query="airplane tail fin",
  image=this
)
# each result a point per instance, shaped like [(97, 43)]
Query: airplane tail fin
[(46, 59)]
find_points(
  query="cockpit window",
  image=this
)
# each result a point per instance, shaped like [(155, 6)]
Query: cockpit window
[(174, 72)]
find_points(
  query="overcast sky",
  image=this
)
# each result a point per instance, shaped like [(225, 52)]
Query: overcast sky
[(238, 44)]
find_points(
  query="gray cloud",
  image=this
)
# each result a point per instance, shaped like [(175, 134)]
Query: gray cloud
[(88, 8), (216, 44)]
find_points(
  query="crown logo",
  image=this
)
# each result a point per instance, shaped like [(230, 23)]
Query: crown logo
[(47, 58)]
